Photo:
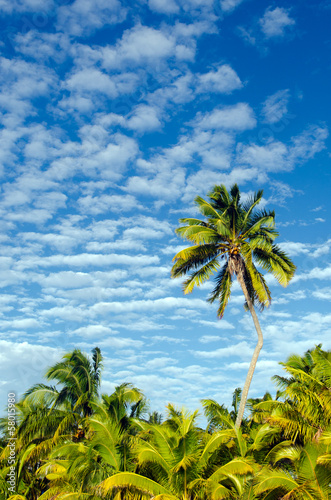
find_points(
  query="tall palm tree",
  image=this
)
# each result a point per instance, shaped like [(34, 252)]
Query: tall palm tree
[(243, 237)]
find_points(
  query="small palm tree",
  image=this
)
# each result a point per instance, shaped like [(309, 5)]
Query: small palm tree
[(241, 236)]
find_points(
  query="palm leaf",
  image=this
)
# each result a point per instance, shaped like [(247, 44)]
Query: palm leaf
[(135, 481), (222, 290)]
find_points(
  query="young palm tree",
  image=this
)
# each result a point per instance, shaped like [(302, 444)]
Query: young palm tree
[(243, 237)]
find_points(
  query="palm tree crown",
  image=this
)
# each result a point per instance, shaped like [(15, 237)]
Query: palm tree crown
[(239, 234), (243, 237)]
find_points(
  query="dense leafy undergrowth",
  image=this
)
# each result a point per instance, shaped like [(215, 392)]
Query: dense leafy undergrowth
[(72, 443)]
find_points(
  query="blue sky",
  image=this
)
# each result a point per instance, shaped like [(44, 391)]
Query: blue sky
[(114, 116)]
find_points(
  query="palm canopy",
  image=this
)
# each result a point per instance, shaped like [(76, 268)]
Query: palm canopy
[(239, 234), (304, 408), (79, 379)]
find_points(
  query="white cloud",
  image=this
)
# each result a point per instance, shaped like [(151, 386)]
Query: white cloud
[(108, 203), (277, 156), (66, 279), (223, 80), (179, 90), (228, 5), (93, 331), (206, 339), (89, 79), (318, 273), (312, 250), (322, 294), (163, 6), (109, 160), (242, 349), (165, 338), (83, 16), (238, 117), (273, 156), (275, 106), (23, 364), (166, 184), (307, 144), (275, 21), (21, 82), (26, 6), (144, 118), (43, 46), (120, 343), (163, 304), (220, 324), (139, 45), (19, 324), (86, 259)]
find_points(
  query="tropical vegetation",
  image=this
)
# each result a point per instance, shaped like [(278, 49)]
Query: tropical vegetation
[(73, 443)]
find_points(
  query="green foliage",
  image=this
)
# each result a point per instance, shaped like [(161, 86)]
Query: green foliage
[(237, 233), (119, 451), (303, 411)]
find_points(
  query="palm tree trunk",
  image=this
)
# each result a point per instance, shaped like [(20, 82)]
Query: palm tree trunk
[(256, 352)]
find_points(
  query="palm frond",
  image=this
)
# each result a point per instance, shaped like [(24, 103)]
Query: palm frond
[(192, 258), (222, 290), (200, 276), (132, 480)]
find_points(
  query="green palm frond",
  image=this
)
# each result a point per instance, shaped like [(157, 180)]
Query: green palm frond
[(261, 224), (251, 203), (277, 263), (199, 235), (192, 258), (222, 290), (237, 466), (217, 415), (207, 209), (133, 481), (41, 394), (201, 275), (256, 285)]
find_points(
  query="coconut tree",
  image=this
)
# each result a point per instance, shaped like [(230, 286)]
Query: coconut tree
[(178, 461), (77, 465), (303, 409), (48, 416), (73, 469), (57, 409), (242, 236), (298, 473)]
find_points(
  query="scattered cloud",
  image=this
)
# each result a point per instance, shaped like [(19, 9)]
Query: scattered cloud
[(82, 17), (275, 106), (237, 118), (229, 5), (275, 22), (242, 349), (223, 80)]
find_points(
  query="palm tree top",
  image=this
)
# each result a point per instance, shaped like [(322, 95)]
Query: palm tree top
[(242, 236)]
